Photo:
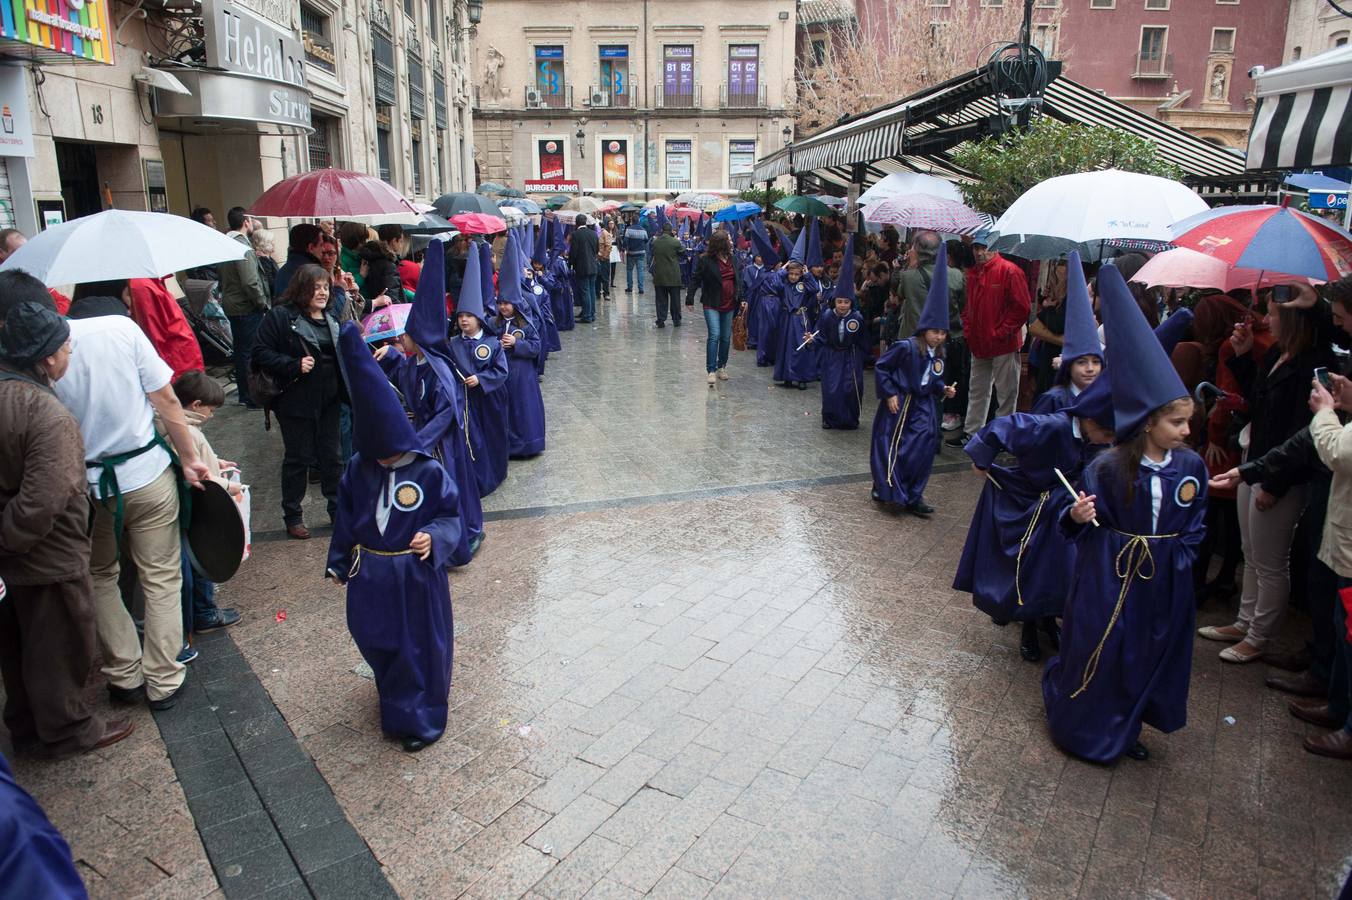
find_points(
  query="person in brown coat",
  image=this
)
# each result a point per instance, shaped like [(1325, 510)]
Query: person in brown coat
[(47, 631)]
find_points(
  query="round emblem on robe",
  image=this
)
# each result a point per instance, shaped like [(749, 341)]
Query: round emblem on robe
[(482, 351), (799, 286), (407, 496), (538, 289), (1186, 492), (518, 334), (852, 325), (937, 367)]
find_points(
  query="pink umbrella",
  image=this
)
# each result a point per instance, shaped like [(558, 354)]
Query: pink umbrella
[(385, 323), (926, 211), (684, 212), (1183, 267), (330, 193), (478, 223)]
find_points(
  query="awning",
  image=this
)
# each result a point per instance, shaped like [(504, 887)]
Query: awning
[(1304, 114), (919, 133)]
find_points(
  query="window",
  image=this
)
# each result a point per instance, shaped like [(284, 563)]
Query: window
[(939, 2), (433, 21), (1047, 3), (992, 2), (550, 153), (314, 35), (1295, 54), (1151, 61), (417, 92), (382, 60), (743, 75), (615, 74), (1102, 4), (1338, 39), (1156, 4), (678, 165), (678, 75), (417, 134), (614, 163), (819, 52), (1228, 2), (383, 123), (408, 8), (741, 157), (1044, 38), (1222, 40), (320, 143), (549, 76)]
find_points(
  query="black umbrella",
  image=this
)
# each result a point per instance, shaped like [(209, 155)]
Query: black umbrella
[(430, 223), (448, 205)]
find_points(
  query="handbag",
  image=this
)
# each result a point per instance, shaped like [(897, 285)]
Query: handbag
[(739, 331), (263, 390)]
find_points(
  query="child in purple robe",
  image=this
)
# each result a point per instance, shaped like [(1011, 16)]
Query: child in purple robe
[(843, 338), (396, 526), (1081, 353)]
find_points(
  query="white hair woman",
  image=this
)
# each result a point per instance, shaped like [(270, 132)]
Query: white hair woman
[(264, 244)]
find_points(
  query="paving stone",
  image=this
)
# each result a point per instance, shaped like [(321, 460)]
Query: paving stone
[(574, 824)]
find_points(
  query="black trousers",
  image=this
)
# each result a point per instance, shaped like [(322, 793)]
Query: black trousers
[(47, 656), (309, 442), (668, 299), (957, 365)]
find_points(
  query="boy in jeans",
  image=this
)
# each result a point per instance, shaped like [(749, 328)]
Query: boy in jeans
[(635, 255)]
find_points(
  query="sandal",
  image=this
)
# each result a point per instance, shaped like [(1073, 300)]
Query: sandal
[(1235, 654), (1228, 633)]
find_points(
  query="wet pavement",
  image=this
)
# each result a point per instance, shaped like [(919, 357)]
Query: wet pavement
[(694, 660)]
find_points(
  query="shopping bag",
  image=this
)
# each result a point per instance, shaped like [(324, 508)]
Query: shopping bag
[(739, 331)]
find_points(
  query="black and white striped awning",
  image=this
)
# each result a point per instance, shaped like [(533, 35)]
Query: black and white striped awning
[(1304, 114), (889, 139)]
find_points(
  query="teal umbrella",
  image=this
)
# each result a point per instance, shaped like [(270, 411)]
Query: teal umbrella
[(510, 193), (806, 206), (629, 207), (491, 187), (556, 201)]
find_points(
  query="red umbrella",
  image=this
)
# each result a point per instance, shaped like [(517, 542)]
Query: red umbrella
[(330, 193), (684, 212), (478, 223)]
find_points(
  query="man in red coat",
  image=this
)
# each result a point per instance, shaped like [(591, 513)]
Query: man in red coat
[(997, 310), (154, 308)]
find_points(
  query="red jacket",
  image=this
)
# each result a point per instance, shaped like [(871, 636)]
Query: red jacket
[(997, 308), (161, 318)]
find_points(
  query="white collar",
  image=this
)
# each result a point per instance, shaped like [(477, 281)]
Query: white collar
[(1074, 391), (478, 335), (1157, 466)]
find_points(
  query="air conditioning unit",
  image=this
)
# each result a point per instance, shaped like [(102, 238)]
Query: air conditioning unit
[(534, 99), (600, 98)]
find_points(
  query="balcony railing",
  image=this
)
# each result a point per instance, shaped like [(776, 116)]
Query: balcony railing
[(1154, 65), (598, 97), (740, 97), (688, 99), (537, 98)]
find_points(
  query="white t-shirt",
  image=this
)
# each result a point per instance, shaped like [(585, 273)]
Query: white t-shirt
[(113, 366)]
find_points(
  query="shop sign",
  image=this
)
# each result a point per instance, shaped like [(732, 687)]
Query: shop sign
[(551, 159), (614, 163), (227, 98), (551, 186), (16, 126), (239, 40), (1328, 200), (319, 51), (79, 30)]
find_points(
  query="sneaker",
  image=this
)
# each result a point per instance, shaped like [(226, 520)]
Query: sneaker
[(713, 379), (959, 440), (187, 654), (723, 375), (217, 618), (952, 422)]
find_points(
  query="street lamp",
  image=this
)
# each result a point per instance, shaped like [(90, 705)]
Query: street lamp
[(581, 137), (476, 11), (788, 133)]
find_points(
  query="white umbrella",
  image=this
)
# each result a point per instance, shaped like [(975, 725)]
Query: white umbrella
[(1082, 211), (512, 215), (655, 202), (899, 184), (696, 200), (925, 211), (117, 243), (582, 204)]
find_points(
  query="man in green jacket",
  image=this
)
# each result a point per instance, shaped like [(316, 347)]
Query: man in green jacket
[(243, 298), (666, 269)]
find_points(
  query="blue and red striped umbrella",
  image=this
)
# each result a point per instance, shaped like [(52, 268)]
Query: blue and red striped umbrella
[(1269, 239)]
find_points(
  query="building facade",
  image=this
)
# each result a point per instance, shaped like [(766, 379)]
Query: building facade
[(630, 98), (175, 104), (1186, 62), (1312, 27)]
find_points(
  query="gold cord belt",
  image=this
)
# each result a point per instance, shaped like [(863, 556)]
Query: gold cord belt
[(360, 549), (1132, 561), (1023, 545), (895, 444)]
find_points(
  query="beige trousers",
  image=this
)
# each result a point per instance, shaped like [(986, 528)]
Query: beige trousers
[(151, 542), (1266, 538), (1003, 373)]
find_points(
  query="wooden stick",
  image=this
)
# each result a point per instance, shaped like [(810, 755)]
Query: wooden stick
[(1073, 494), (992, 480)]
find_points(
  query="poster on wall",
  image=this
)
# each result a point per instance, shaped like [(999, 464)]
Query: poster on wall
[(551, 159), (678, 72), (741, 157), (678, 165), (743, 71), (614, 163), (16, 125)]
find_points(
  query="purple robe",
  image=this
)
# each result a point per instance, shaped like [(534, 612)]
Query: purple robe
[(438, 415), (399, 606), (535, 295), (487, 405), (844, 345), (797, 315), (766, 301), (751, 275), (1016, 564), (904, 444), (1054, 399), (561, 295), (525, 406), (1130, 638)]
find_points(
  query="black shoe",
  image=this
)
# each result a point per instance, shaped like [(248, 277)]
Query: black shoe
[(127, 696), (475, 543), (216, 618), (1052, 631), (802, 385), (826, 425), (920, 508), (314, 476), (875, 496), (661, 324), (412, 744), (958, 441), (1028, 645), (628, 290), (675, 323), (168, 702), (1138, 752)]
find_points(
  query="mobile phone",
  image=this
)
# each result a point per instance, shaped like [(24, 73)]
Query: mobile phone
[(1282, 293), (1322, 375)]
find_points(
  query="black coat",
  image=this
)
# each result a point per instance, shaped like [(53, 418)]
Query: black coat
[(382, 277), (582, 251), (278, 350), (709, 282)]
